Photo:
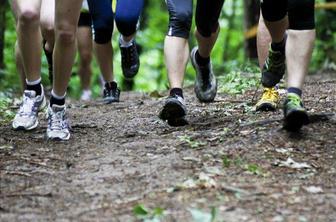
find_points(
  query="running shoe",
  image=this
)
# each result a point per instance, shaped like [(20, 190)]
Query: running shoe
[(205, 82), (295, 114), (58, 126), (27, 116), (111, 93), (274, 68), (269, 100), (86, 95), (174, 111), (130, 61)]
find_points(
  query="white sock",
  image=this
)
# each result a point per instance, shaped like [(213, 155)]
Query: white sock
[(35, 82), (57, 96), (125, 44)]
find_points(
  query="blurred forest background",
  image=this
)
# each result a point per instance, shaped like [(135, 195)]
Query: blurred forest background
[(234, 54)]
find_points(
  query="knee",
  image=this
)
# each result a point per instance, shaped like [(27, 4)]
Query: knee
[(126, 26), (29, 17), (47, 27), (206, 28), (180, 24), (85, 58), (103, 29), (66, 33)]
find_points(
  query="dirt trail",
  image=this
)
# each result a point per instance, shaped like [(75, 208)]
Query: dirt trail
[(228, 157)]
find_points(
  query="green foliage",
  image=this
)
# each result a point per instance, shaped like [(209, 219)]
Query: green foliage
[(148, 215), (191, 142), (6, 114), (239, 80), (251, 168)]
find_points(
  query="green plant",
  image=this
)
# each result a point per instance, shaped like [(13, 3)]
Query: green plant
[(148, 215), (190, 142)]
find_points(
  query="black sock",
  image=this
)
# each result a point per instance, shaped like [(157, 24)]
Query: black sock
[(37, 88), (279, 46), (111, 85), (177, 92), (59, 102), (297, 91), (200, 60)]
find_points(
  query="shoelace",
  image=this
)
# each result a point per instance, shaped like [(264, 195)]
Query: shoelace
[(270, 94), (294, 100), (56, 121), (128, 55), (27, 106)]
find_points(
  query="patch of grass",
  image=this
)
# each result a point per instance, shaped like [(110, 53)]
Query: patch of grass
[(252, 168), (194, 144), (148, 215), (239, 80), (6, 114)]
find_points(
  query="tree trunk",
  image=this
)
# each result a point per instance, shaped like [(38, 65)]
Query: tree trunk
[(3, 6), (251, 17)]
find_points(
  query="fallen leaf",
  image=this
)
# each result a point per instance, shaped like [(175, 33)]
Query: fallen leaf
[(313, 189), (294, 165)]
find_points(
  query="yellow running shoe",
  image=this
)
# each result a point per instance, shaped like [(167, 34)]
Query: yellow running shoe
[(269, 100)]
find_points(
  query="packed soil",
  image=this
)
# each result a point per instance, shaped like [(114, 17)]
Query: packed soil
[(228, 158)]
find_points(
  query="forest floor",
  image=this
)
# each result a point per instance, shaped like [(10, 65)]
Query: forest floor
[(123, 163)]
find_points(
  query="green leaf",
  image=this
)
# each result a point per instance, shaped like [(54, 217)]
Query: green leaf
[(140, 210)]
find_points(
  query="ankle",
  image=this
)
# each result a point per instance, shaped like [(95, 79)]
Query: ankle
[(56, 99), (295, 90), (34, 86), (201, 60), (176, 92)]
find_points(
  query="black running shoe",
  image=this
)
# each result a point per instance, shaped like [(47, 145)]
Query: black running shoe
[(295, 114), (174, 111), (274, 68), (130, 61), (111, 93), (49, 56)]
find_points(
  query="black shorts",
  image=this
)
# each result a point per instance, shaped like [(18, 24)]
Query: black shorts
[(301, 13), (85, 20)]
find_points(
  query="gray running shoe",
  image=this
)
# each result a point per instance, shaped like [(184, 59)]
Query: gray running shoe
[(174, 111), (205, 83), (27, 116), (58, 126)]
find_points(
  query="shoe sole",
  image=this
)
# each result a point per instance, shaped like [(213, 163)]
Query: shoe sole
[(22, 128), (295, 120), (58, 138), (109, 101), (266, 107), (172, 111)]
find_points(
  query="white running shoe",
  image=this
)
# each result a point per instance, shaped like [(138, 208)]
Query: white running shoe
[(58, 126), (27, 116), (86, 95)]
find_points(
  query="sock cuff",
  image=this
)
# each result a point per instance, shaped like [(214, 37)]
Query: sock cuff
[(125, 44), (53, 94), (176, 91), (297, 91), (35, 82)]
